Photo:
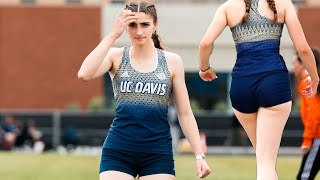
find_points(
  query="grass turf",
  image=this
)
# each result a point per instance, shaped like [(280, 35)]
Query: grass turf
[(52, 166)]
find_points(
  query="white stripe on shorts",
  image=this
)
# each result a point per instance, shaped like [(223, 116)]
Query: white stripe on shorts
[(310, 159)]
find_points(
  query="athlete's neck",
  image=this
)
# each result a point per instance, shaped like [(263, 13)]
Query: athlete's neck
[(143, 53)]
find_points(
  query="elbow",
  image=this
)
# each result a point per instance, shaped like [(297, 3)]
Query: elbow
[(82, 76), (303, 50), (204, 44)]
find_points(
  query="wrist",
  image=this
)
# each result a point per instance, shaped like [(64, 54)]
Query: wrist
[(204, 69), (200, 156), (113, 36)]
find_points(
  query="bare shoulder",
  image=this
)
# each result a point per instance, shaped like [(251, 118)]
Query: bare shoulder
[(174, 62), (173, 59), (115, 56), (230, 4), (283, 4), (115, 52)]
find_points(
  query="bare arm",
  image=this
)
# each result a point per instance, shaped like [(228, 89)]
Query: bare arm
[(216, 27), (186, 118), (99, 61), (297, 35)]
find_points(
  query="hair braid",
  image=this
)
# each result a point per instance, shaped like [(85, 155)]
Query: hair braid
[(272, 6), (156, 40), (246, 15)]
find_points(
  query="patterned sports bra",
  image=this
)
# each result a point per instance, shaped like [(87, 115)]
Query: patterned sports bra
[(258, 44)]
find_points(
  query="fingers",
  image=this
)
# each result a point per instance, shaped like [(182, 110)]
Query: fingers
[(204, 172), (307, 91), (207, 76), (203, 169), (127, 15), (199, 173)]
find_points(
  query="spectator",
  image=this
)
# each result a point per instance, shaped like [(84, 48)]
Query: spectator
[(310, 116), (9, 132), (30, 136)]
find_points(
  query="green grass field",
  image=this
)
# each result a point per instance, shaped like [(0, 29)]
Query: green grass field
[(51, 166)]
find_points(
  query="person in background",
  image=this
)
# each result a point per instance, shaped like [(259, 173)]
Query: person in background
[(9, 131), (310, 116)]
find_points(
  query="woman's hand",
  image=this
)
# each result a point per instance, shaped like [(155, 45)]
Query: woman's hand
[(208, 75), (203, 169), (305, 149), (122, 21), (311, 89)]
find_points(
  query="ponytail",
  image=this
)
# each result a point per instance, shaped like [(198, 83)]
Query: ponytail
[(246, 15), (156, 40), (272, 6)]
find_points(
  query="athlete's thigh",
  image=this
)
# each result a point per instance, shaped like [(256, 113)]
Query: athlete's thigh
[(270, 124), (158, 177), (249, 124), (112, 175)]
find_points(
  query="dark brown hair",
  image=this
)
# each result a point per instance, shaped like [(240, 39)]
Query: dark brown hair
[(271, 4), (149, 9)]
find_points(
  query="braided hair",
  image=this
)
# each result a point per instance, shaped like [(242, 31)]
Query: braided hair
[(246, 15), (271, 4)]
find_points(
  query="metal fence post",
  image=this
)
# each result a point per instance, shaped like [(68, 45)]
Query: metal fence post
[(56, 128)]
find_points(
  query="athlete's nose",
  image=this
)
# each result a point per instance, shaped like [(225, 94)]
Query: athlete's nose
[(139, 32)]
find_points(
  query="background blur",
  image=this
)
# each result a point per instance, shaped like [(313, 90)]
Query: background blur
[(43, 43)]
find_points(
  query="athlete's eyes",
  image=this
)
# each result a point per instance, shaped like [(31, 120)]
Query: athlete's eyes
[(145, 24), (132, 24)]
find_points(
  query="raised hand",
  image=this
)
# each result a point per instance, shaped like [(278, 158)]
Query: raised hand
[(122, 21)]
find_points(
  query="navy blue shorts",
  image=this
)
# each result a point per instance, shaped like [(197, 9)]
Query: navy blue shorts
[(136, 163), (267, 89)]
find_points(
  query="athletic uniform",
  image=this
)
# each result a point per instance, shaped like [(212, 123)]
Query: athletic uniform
[(139, 139), (260, 76), (310, 116)]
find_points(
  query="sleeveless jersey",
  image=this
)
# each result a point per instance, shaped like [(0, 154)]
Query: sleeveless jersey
[(142, 100), (257, 44)]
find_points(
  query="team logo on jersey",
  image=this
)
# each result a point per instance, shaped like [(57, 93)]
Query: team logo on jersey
[(161, 76), (144, 88), (125, 75)]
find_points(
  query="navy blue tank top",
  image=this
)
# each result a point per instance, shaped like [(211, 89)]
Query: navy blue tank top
[(257, 44), (142, 100)]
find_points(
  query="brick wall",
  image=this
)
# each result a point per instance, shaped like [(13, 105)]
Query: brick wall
[(42, 49), (309, 18)]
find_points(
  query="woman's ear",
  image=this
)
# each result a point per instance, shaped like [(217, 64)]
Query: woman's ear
[(155, 27)]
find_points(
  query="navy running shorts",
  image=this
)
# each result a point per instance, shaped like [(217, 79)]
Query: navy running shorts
[(266, 89), (136, 163)]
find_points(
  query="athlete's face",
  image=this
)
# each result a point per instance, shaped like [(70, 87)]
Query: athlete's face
[(141, 31), (297, 67)]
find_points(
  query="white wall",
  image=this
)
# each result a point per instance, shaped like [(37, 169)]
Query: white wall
[(181, 27)]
